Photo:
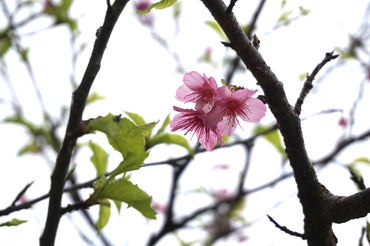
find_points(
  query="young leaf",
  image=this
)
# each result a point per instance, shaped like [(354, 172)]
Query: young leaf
[(31, 147), (22, 121), (99, 158), (158, 5), (131, 162), (362, 159), (216, 27), (170, 138), (5, 44), (273, 137), (164, 125), (123, 190), (13, 222), (147, 129), (93, 97), (122, 134), (136, 118), (104, 215)]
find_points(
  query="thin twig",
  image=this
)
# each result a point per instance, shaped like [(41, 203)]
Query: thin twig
[(286, 230), (308, 84)]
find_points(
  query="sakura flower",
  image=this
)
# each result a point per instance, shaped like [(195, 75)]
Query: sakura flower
[(198, 89), (230, 104), (195, 121)]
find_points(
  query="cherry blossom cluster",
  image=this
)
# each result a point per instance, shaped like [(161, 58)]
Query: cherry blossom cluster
[(216, 109)]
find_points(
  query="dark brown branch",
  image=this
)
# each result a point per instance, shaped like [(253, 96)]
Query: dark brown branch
[(236, 61), (343, 209), (311, 193), (75, 117), (308, 83), (285, 229), (231, 6)]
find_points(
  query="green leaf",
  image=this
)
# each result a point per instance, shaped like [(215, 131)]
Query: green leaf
[(22, 121), (13, 222), (304, 11), (104, 215), (164, 125), (158, 5), (170, 138), (32, 147), (362, 159), (131, 162), (99, 158), (5, 44), (147, 129), (177, 10), (122, 134), (216, 27), (283, 3), (65, 5), (123, 190), (24, 55), (93, 97), (284, 17), (273, 137), (136, 118), (118, 205)]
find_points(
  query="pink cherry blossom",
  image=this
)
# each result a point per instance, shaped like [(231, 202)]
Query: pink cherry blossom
[(198, 89), (195, 121), (230, 104)]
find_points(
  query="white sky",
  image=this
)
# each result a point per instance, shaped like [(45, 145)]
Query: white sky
[(138, 75)]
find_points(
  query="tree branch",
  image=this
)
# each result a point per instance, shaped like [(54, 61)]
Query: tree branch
[(308, 83), (310, 192), (75, 117)]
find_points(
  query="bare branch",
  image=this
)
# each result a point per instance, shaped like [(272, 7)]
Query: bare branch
[(285, 229), (308, 83)]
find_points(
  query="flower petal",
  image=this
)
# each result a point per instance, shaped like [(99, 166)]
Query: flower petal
[(193, 80), (256, 110)]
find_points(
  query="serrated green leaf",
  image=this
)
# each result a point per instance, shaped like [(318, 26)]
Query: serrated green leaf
[(122, 134), (131, 162), (273, 137), (104, 215), (93, 97), (136, 118), (158, 5), (99, 158), (216, 27), (147, 129), (170, 138), (123, 190), (13, 222)]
